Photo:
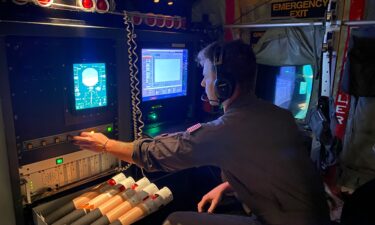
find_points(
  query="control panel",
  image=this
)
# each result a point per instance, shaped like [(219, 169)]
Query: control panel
[(56, 96), (64, 138), (48, 177)]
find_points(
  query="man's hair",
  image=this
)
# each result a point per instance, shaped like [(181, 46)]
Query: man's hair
[(238, 61)]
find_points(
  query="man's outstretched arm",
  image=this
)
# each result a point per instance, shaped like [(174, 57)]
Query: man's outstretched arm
[(98, 142)]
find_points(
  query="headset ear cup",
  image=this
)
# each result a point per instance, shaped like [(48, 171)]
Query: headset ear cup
[(224, 83), (223, 89)]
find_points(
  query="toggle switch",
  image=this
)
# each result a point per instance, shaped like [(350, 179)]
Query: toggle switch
[(69, 138), (29, 146)]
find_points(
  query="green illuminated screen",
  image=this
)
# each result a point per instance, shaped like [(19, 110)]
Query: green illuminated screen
[(288, 87), (90, 85), (293, 89)]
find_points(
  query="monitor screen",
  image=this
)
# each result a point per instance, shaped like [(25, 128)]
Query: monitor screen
[(293, 89), (288, 87), (90, 85), (164, 73)]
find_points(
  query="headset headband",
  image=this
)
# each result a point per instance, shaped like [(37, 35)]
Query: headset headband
[(224, 83), (218, 55)]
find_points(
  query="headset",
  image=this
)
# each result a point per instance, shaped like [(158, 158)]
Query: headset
[(224, 84)]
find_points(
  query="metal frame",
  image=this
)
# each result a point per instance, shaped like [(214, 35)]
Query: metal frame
[(274, 25), (19, 28), (68, 28), (301, 24), (10, 139)]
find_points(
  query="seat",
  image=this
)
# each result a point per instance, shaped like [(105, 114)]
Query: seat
[(358, 208)]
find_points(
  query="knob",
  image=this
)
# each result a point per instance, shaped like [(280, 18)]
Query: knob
[(69, 138), (87, 5), (102, 6)]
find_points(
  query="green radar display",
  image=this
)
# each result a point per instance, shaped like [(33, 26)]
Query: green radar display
[(90, 85)]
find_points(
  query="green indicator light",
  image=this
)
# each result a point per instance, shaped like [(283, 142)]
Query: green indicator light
[(156, 106), (59, 161), (153, 116), (109, 129)]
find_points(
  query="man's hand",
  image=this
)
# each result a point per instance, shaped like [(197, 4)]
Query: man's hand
[(213, 197), (96, 142)]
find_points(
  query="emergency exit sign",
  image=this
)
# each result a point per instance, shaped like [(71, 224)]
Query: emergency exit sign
[(299, 9)]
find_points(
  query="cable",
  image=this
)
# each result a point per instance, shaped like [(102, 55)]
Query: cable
[(138, 111), (130, 52), (128, 41), (138, 124), (135, 92)]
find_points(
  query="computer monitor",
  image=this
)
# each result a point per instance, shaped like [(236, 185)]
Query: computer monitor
[(164, 73), (288, 87), (90, 85)]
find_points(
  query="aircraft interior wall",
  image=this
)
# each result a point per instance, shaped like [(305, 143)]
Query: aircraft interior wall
[(68, 68)]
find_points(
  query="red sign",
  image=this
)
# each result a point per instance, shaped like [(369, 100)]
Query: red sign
[(342, 111), (342, 99)]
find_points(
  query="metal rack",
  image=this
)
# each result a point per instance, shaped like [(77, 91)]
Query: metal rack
[(301, 24)]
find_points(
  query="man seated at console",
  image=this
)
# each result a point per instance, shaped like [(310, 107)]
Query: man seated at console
[(256, 144)]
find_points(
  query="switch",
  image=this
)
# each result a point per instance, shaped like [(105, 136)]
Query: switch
[(29, 146), (69, 138)]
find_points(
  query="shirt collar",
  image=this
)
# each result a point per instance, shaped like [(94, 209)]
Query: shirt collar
[(241, 101)]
